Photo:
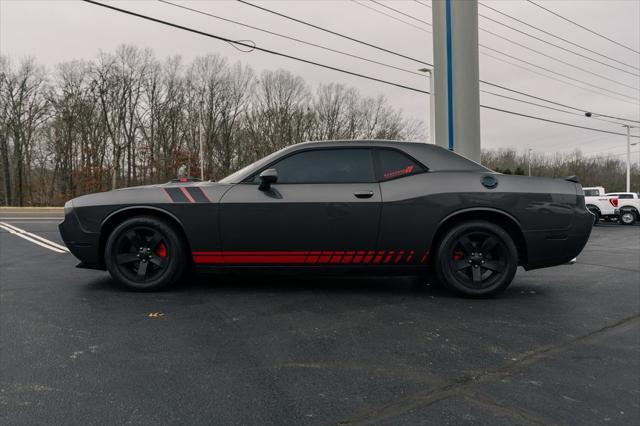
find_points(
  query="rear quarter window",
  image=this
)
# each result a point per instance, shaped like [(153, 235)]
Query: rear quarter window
[(394, 164)]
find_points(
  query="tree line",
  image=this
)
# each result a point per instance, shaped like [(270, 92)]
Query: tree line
[(128, 118), (603, 170)]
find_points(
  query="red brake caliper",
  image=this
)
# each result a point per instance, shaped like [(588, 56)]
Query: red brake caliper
[(457, 255), (161, 250)]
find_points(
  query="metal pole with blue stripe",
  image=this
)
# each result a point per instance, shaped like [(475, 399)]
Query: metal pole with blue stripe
[(456, 88)]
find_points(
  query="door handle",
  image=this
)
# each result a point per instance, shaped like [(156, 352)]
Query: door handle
[(363, 194)]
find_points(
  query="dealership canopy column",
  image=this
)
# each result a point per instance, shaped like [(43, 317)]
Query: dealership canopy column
[(456, 91)]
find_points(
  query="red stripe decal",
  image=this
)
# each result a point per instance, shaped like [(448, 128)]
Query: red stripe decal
[(304, 257), (324, 258), (369, 256), (186, 194), (389, 256), (312, 257), (337, 255), (358, 257), (410, 256), (348, 258)]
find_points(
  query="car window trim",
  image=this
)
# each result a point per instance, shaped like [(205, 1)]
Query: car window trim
[(250, 178)]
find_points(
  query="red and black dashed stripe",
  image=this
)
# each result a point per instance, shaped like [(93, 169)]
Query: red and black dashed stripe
[(325, 257), (186, 194)]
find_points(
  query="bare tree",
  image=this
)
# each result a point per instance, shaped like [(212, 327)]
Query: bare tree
[(26, 111)]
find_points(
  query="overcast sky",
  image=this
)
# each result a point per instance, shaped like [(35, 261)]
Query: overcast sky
[(57, 31)]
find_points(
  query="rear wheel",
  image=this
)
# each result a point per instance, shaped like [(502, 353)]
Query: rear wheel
[(476, 259), (627, 217), (145, 254)]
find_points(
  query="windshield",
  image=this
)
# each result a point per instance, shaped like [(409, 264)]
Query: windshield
[(237, 177)]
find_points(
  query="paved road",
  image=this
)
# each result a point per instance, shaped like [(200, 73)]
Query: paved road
[(561, 346)]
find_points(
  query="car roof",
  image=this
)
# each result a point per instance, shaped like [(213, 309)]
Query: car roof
[(434, 157)]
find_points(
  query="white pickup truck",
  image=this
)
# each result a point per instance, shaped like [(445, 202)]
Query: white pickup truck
[(601, 205), (629, 205)]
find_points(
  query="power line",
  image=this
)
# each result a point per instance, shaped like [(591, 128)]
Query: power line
[(290, 38), (255, 47), (364, 43), (555, 103), (546, 41), (420, 61), (227, 40), (548, 107), (358, 57), (556, 45), (549, 56), (555, 36), (562, 75), (583, 27), (551, 121), (546, 69), (400, 12), (561, 81), (530, 103), (561, 61), (391, 16)]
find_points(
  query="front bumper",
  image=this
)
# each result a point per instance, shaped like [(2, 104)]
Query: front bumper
[(82, 244)]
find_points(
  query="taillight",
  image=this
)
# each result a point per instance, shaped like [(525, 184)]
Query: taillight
[(614, 201)]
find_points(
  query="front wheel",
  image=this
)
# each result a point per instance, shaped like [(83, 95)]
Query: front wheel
[(145, 253), (627, 217), (476, 259)]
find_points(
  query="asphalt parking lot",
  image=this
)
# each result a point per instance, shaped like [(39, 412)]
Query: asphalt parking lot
[(560, 346)]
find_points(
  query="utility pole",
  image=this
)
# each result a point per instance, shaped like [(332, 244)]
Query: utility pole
[(432, 106), (201, 141), (529, 158), (456, 84), (628, 127), (628, 156)]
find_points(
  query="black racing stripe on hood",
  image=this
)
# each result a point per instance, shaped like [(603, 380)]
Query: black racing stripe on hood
[(176, 195), (197, 194)]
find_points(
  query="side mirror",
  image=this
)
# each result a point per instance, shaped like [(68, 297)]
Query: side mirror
[(268, 177)]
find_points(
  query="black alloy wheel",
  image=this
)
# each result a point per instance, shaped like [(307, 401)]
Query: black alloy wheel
[(477, 259), (145, 253)]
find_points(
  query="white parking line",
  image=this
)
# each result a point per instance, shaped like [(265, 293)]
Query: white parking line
[(43, 242), (31, 218)]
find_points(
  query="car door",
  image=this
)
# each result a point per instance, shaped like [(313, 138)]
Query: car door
[(323, 209)]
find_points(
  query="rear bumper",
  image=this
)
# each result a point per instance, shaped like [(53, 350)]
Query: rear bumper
[(550, 248), (82, 244)]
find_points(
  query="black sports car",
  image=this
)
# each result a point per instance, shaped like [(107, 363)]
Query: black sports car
[(374, 206)]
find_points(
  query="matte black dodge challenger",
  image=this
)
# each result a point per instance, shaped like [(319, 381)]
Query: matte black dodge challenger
[(373, 206)]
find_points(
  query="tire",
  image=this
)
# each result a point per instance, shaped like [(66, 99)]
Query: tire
[(596, 215), (145, 253), (467, 249), (627, 217)]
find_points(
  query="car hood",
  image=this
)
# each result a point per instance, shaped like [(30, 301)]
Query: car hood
[(151, 194)]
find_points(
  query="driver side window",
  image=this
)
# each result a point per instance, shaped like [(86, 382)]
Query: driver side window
[(326, 166)]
